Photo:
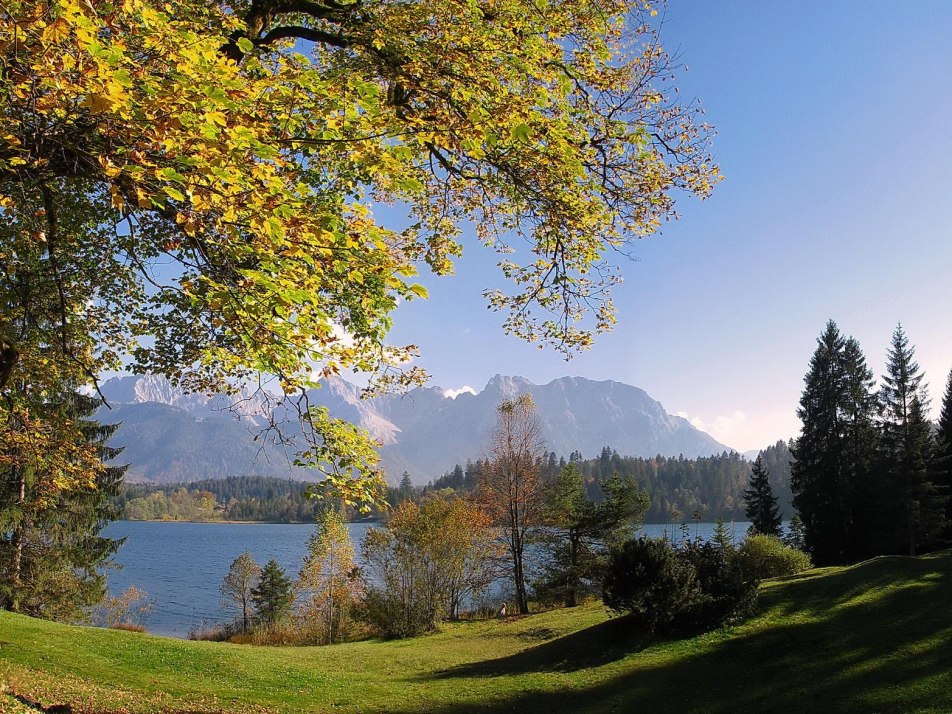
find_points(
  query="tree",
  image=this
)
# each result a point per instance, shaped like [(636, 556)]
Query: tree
[(187, 185), (944, 449), (328, 588), (835, 492), (907, 445), (511, 489), (761, 504), (55, 498), (272, 596), (429, 559), (578, 530), (236, 587)]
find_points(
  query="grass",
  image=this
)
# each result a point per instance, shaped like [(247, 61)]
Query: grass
[(876, 637)]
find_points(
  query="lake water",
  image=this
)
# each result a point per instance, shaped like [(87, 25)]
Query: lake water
[(181, 565)]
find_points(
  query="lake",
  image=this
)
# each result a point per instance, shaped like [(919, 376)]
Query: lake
[(181, 565)]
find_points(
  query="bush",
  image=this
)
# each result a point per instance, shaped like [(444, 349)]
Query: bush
[(647, 579), (727, 594), (763, 556)]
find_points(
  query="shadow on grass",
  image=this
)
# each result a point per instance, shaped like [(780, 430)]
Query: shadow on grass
[(592, 647), (875, 638)]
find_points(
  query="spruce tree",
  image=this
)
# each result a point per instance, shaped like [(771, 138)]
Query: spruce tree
[(907, 448), (761, 504), (819, 475), (272, 596), (944, 452), (52, 553)]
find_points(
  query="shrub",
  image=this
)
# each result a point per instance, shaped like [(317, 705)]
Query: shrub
[(763, 556), (727, 594), (647, 579)]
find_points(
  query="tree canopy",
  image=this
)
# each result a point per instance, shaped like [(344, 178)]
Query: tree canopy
[(187, 186)]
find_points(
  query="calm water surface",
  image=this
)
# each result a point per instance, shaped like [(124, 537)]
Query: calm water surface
[(181, 565)]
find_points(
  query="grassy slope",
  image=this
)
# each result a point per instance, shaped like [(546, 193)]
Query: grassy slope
[(875, 637)]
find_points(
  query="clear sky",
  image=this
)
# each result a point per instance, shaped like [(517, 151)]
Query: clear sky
[(833, 124)]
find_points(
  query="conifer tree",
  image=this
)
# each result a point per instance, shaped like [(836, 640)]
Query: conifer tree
[(944, 451), (272, 597), (52, 553), (761, 504), (907, 449), (818, 475)]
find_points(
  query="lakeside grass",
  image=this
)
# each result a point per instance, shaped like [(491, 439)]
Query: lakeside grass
[(876, 637)]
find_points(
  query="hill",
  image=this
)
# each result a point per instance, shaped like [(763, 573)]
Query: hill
[(171, 436), (872, 637)]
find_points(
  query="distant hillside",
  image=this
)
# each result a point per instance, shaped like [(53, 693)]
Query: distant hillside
[(171, 436)]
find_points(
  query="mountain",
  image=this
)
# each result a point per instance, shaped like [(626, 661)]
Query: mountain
[(169, 435)]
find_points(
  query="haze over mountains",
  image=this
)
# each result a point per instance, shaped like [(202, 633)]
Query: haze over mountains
[(172, 436)]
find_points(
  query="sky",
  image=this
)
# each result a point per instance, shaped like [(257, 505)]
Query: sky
[(833, 137)]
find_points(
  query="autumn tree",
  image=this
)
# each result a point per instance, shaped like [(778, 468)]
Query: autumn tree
[(760, 502), (511, 487), (431, 558), (187, 186), (328, 588), (236, 587)]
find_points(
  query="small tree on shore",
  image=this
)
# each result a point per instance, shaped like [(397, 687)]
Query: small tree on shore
[(272, 596), (242, 577), (761, 504), (327, 586)]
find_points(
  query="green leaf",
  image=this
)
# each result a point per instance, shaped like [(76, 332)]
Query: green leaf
[(522, 133)]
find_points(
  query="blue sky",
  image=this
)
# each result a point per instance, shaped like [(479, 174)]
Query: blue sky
[(833, 135)]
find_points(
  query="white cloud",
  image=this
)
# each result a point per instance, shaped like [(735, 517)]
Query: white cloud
[(453, 393), (726, 428)]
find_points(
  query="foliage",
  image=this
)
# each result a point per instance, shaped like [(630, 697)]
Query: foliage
[(765, 556), (272, 596), (328, 588), (728, 594), (648, 580), (511, 487), (243, 576), (128, 610), (187, 185), (431, 558), (54, 502), (761, 504), (578, 531), (710, 485)]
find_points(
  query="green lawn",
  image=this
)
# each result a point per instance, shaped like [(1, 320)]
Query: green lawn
[(876, 637)]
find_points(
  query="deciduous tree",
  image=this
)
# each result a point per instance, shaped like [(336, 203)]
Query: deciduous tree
[(187, 185), (328, 586), (236, 587), (511, 487)]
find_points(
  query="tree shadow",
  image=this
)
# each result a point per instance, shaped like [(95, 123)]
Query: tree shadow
[(592, 647), (887, 651)]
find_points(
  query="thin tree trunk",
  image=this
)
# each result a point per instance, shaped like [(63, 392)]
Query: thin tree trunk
[(17, 566)]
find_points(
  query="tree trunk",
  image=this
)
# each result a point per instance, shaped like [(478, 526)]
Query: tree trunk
[(17, 565)]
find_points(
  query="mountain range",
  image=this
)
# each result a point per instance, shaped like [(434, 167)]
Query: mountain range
[(169, 435)]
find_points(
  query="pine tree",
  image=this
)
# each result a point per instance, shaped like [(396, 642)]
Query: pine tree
[(761, 504), (907, 449), (272, 597)]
